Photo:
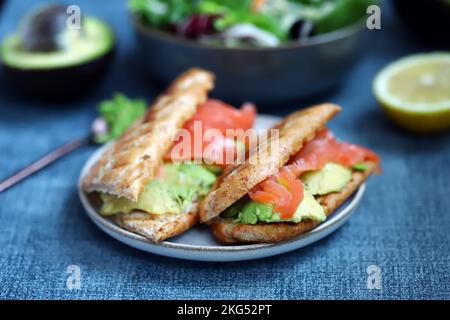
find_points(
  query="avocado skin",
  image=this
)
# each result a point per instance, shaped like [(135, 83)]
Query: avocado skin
[(58, 84)]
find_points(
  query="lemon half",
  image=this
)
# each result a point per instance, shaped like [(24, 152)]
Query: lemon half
[(415, 91)]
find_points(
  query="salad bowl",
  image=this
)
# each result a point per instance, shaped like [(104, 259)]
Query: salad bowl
[(266, 75)]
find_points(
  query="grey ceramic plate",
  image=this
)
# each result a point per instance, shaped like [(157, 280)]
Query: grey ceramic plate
[(199, 244)]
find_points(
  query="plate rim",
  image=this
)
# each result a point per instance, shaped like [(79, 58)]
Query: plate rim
[(104, 222)]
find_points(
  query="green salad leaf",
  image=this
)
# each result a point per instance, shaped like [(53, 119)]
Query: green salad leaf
[(225, 5), (119, 113), (239, 12), (274, 16), (360, 167), (161, 13), (343, 13)]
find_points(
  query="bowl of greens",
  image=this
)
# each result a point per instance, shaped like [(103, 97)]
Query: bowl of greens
[(266, 51)]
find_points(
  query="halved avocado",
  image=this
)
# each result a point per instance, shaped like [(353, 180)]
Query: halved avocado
[(43, 61)]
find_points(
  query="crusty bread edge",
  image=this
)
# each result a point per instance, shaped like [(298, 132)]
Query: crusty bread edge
[(162, 226), (120, 186), (238, 181)]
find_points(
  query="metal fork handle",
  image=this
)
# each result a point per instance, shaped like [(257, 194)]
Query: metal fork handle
[(42, 162)]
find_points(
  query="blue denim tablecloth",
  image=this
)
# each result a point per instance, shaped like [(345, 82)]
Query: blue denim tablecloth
[(402, 225)]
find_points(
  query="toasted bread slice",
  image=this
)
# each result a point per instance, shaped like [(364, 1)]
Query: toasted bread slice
[(158, 227), (227, 231), (294, 131), (131, 162)]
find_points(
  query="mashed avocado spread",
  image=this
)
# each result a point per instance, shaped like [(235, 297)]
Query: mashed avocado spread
[(181, 185), (331, 178), (250, 212)]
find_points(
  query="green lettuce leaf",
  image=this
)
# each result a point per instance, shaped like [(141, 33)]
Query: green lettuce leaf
[(119, 113), (161, 13)]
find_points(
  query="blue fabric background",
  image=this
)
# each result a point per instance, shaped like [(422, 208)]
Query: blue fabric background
[(402, 225)]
